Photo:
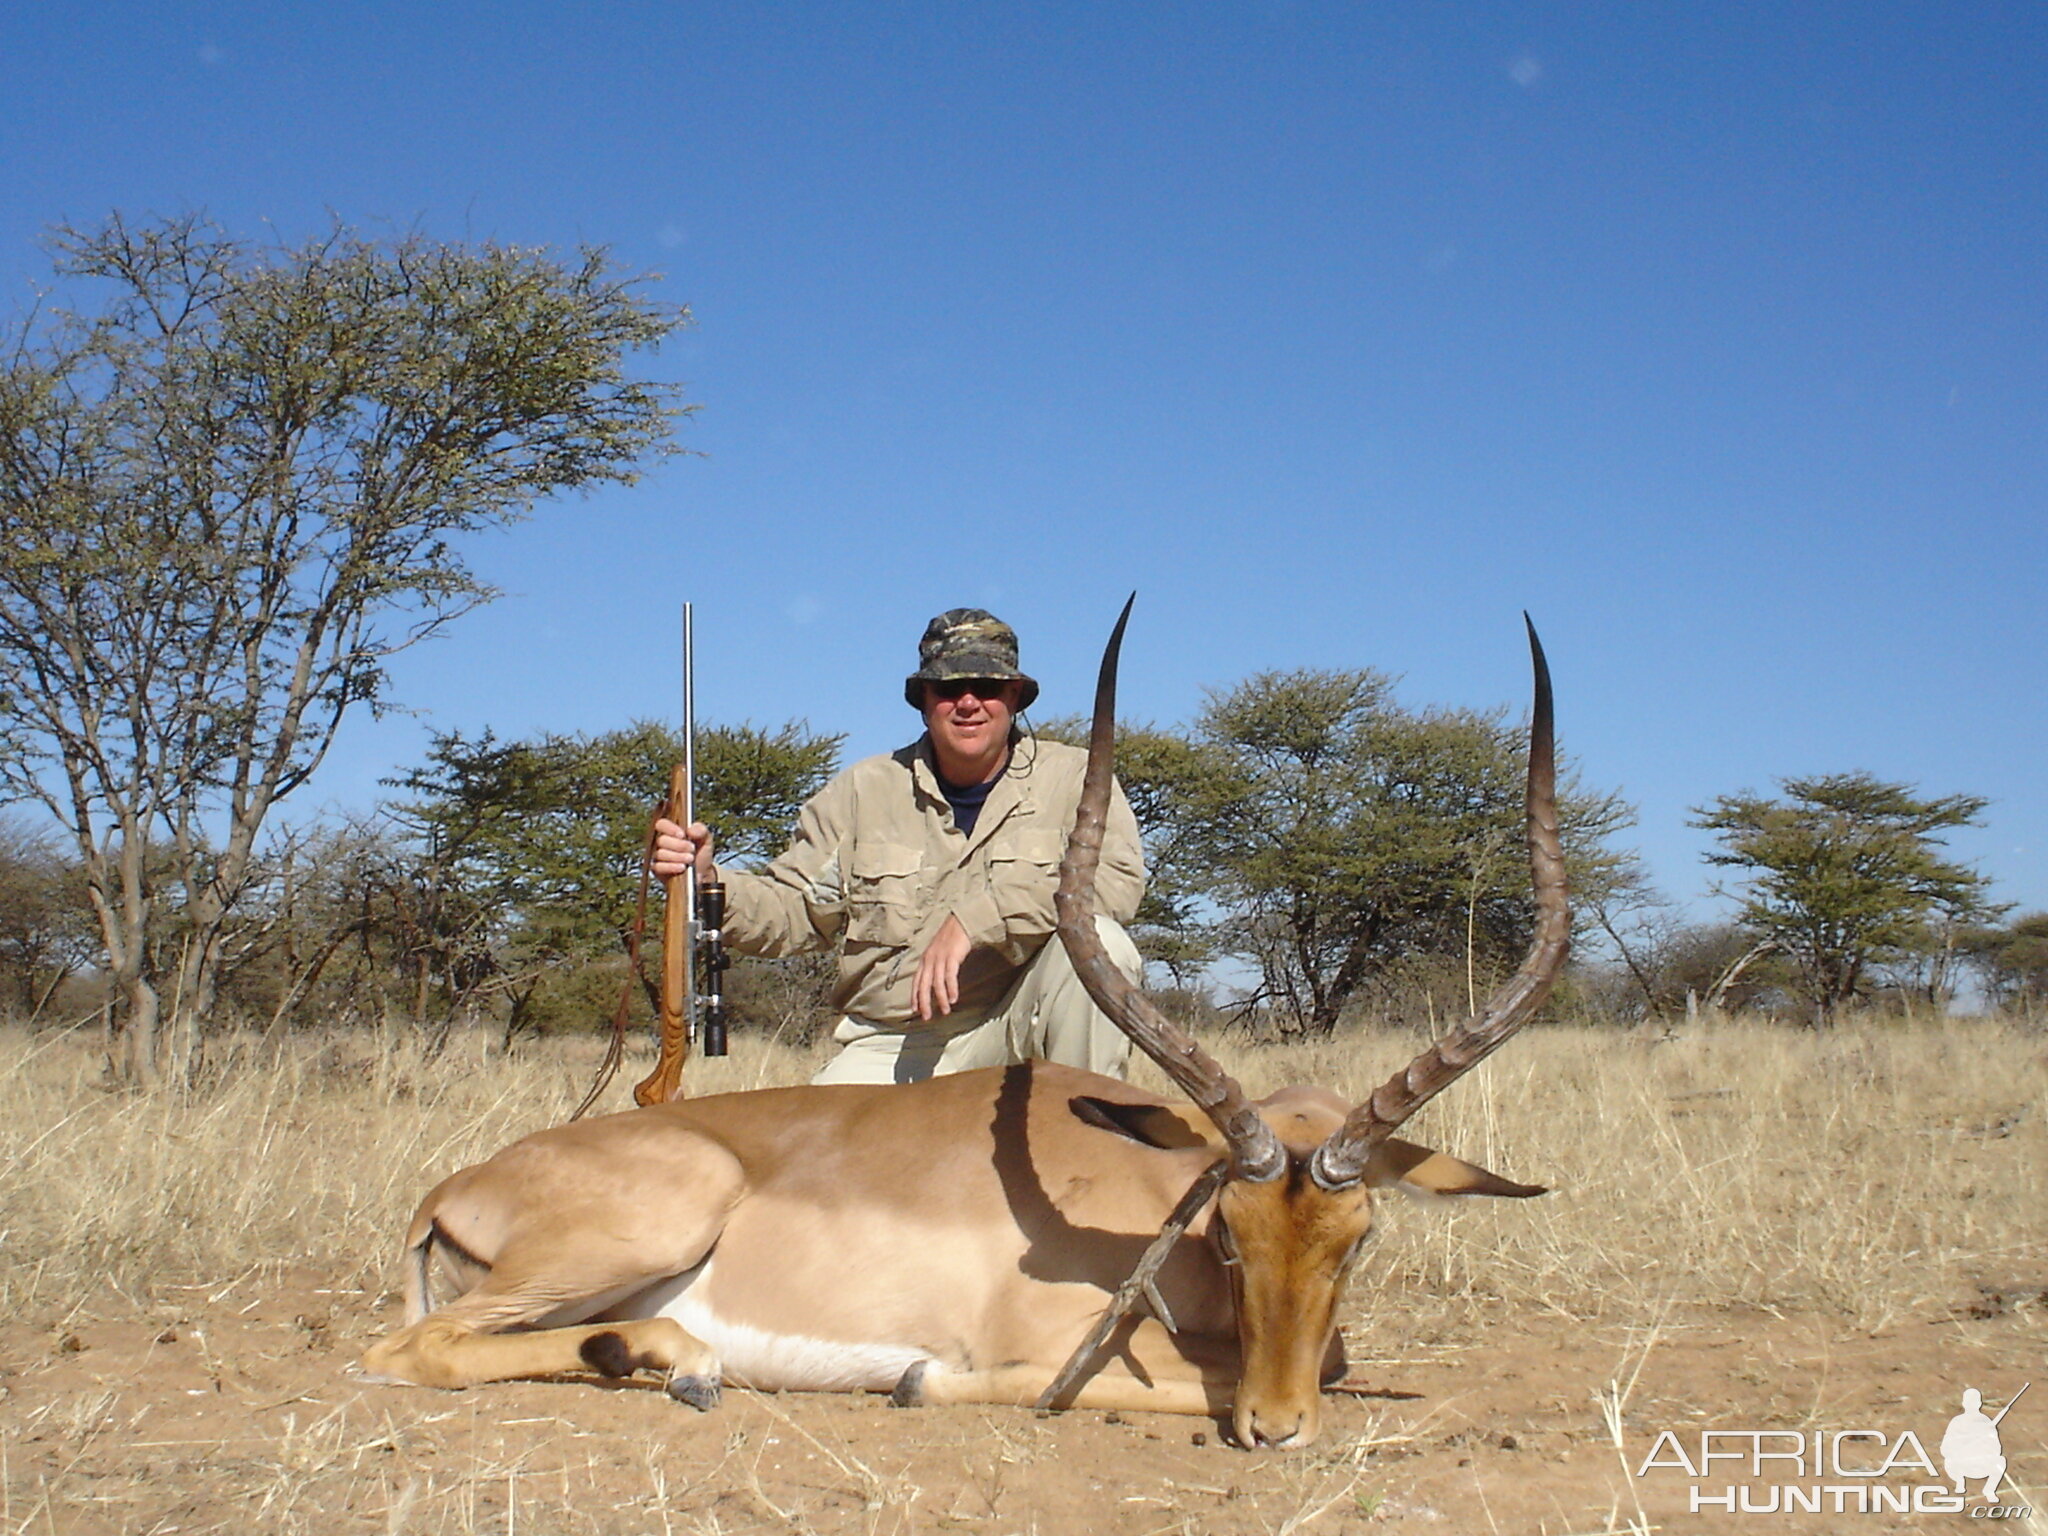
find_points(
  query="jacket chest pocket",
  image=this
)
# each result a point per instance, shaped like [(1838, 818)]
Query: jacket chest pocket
[(1024, 869), (882, 893)]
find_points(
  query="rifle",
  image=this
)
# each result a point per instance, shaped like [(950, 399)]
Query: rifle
[(691, 924)]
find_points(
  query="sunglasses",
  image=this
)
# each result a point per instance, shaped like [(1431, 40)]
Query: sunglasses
[(953, 687)]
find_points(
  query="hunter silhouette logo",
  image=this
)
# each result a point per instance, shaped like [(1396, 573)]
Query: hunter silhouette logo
[(1971, 1448), (1844, 1471)]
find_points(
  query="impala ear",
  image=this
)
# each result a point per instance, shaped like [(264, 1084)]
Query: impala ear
[(1418, 1171), (1153, 1125)]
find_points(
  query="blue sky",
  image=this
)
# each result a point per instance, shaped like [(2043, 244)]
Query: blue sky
[(1711, 335)]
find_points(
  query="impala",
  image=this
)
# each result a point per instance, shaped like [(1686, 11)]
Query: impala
[(953, 1241)]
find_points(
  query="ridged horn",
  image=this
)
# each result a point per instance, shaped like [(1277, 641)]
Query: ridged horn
[(1341, 1161), (1255, 1152)]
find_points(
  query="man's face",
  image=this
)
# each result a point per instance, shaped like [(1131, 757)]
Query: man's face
[(970, 724)]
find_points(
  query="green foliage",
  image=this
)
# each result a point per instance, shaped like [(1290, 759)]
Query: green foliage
[(751, 782), (46, 928), (1845, 872), (1158, 770), (1311, 825), (1350, 834), (545, 839), (231, 491), (2013, 959)]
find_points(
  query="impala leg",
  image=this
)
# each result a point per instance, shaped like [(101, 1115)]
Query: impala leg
[(1145, 1369), (446, 1351), (571, 1271)]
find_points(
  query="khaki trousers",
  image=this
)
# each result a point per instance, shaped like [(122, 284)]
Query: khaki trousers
[(1045, 1014)]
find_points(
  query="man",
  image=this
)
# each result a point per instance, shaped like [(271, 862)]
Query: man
[(933, 869)]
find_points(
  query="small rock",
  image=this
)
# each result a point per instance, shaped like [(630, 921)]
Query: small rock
[(1198, 1438), (70, 1344)]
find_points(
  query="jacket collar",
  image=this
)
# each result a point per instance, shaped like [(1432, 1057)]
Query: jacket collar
[(1004, 797)]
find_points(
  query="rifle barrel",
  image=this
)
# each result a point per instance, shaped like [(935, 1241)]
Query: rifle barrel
[(2015, 1398), (688, 927)]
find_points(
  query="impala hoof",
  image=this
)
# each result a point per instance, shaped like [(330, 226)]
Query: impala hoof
[(909, 1391), (700, 1392)]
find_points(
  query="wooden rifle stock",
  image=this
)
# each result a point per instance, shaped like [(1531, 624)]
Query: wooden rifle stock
[(666, 1080)]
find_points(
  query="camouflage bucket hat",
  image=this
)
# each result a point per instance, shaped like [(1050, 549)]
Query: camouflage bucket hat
[(967, 642)]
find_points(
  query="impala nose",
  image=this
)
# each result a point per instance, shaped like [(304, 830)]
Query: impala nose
[(1272, 1432)]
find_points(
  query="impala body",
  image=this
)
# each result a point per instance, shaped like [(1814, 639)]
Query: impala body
[(955, 1240)]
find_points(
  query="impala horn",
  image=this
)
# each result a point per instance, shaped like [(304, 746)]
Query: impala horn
[(1255, 1152), (1341, 1161)]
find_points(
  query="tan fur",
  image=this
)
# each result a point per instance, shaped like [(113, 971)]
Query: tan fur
[(966, 1230)]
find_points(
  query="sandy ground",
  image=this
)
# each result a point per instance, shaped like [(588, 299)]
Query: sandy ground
[(230, 1411)]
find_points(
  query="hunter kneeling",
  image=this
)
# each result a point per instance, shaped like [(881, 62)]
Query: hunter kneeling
[(933, 869)]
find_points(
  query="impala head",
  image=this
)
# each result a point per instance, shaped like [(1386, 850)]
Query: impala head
[(1290, 1245), (1297, 1206)]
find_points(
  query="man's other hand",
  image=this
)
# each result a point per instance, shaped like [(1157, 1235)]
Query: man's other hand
[(938, 974)]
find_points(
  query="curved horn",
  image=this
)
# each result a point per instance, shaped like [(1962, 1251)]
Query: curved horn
[(1255, 1152), (1341, 1160)]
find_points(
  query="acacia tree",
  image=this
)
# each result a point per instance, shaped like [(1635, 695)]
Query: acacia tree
[(45, 928), (1844, 872), (1347, 833), (1313, 826), (230, 493), (1161, 771), (2013, 960), (534, 848)]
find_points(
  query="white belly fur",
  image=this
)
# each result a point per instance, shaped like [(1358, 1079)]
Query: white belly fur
[(776, 1362)]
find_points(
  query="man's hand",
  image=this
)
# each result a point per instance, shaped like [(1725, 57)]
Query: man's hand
[(675, 849), (937, 987)]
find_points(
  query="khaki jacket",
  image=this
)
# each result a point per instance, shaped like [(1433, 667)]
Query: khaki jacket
[(878, 865)]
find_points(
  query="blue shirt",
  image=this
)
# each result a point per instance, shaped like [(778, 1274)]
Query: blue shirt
[(967, 801)]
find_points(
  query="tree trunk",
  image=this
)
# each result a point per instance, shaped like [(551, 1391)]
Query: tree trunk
[(438, 1034), (137, 1059), (1717, 995), (198, 985), (1628, 959), (117, 885), (124, 930), (512, 1021), (304, 977), (59, 974), (209, 900)]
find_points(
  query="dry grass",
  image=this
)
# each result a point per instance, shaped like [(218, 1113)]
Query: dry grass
[(310, 1152), (1875, 1172), (1872, 1173), (1854, 1181)]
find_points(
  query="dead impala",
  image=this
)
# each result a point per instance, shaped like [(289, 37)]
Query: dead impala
[(954, 1240)]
